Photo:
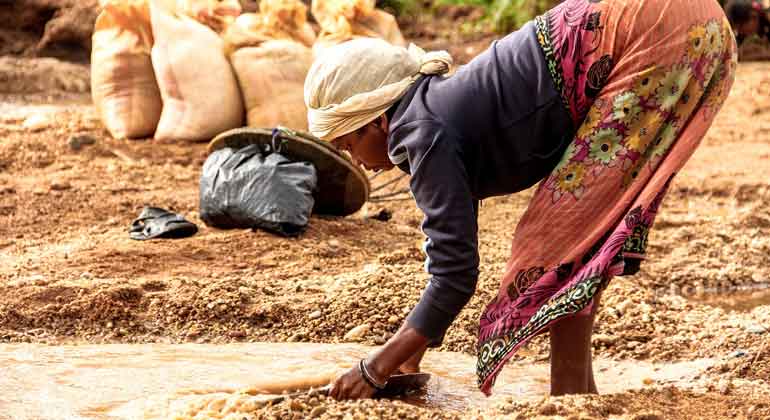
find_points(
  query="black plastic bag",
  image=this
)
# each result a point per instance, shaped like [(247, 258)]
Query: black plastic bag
[(254, 188)]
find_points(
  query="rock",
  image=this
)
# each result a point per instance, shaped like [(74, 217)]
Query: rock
[(383, 215), (548, 409), (295, 405), (37, 122), (755, 329), (315, 315), (648, 381), (77, 141), (724, 386), (736, 354), (296, 338), (317, 412), (647, 416), (237, 334), (393, 319), (60, 186), (605, 339), (357, 333)]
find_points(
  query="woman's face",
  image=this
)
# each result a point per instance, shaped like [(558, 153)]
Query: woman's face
[(368, 145)]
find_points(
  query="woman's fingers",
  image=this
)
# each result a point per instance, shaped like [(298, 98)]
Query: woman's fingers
[(351, 386), (335, 391)]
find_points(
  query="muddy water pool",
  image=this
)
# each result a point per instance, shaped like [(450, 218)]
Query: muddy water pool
[(741, 300), (153, 380)]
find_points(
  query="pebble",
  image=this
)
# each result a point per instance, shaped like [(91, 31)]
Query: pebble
[(605, 339), (393, 319), (37, 122), (237, 334), (357, 333), (647, 416), (755, 329), (77, 141), (736, 354), (317, 412), (296, 338), (315, 315), (548, 409), (724, 386), (60, 186), (295, 405)]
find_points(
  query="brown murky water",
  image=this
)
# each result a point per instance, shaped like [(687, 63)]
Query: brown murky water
[(743, 300), (155, 380)]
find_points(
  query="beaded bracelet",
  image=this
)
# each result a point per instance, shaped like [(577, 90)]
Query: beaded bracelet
[(368, 378)]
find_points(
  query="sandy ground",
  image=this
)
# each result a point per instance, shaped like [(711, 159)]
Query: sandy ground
[(70, 274)]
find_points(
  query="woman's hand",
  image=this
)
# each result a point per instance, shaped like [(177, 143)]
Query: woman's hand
[(351, 386), (403, 350)]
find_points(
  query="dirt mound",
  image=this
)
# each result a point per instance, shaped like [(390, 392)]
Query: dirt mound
[(326, 408), (42, 75), (651, 404), (57, 28)]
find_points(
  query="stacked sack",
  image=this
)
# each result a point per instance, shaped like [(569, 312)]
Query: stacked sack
[(343, 20), (271, 55), (123, 84), (200, 92), (156, 70), (186, 69)]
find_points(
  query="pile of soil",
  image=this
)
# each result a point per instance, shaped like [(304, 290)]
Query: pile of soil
[(649, 404), (55, 28)]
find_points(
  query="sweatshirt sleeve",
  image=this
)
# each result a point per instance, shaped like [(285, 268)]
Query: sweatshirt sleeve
[(441, 189)]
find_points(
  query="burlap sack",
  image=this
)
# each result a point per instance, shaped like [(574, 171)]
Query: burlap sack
[(123, 84), (272, 77), (200, 92), (270, 54), (343, 20)]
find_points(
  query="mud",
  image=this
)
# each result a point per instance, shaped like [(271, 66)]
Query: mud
[(226, 381), (71, 275)]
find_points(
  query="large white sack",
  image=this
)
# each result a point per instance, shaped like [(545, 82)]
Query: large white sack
[(272, 77), (199, 89), (123, 85)]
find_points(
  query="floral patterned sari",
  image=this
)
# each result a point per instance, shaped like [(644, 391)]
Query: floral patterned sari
[(643, 80)]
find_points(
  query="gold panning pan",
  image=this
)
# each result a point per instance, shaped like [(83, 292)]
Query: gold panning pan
[(342, 188)]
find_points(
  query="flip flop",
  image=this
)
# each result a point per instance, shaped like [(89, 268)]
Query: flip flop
[(343, 187), (155, 222)]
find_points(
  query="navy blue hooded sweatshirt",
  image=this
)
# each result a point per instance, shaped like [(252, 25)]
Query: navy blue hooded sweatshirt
[(497, 126)]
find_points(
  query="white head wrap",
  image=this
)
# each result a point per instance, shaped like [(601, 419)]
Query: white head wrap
[(355, 82)]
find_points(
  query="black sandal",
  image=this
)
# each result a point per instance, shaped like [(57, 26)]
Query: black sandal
[(155, 222)]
